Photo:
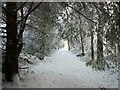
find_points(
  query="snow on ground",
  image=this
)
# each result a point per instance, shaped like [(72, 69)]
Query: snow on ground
[(64, 70)]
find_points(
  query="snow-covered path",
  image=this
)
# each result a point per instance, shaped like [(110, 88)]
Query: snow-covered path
[(64, 70)]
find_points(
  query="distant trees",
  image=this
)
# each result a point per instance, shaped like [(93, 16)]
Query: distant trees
[(99, 19), (104, 19), (41, 31)]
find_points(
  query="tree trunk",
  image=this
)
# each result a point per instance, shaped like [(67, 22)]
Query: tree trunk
[(92, 45), (82, 45), (68, 44), (20, 35), (100, 57), (11, 62), (118, 46), (81, 37), (22, 28)]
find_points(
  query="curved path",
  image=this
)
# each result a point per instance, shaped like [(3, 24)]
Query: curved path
[(64, 70)]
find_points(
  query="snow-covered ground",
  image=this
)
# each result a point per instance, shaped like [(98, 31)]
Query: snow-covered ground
[(64, 70)]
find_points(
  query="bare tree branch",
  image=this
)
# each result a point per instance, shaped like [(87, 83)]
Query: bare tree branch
[(79, 13), (4, 20), (20, 6), (4, 9), (23, 68), (29, 13), (92, 3)]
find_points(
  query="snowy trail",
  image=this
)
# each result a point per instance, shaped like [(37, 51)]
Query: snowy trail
[(64, 70)]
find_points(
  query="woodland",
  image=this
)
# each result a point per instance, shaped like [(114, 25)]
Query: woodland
[(88, 30)]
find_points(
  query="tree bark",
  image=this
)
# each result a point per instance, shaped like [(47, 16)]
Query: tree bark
[(92, 45), (68, 44), (100, 57), (11, 62), (82, 45), (118, 46), (81, 38)]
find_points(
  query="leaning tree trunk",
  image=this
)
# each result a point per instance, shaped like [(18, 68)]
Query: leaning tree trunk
[(22, 28), (11, 62)]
